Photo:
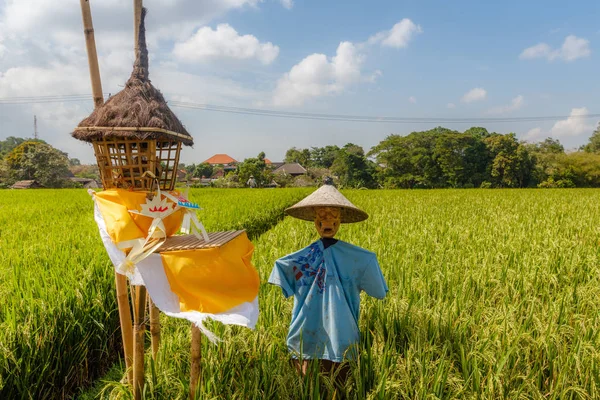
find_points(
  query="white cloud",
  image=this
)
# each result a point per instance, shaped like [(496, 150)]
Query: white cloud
[(399, 36), (533, 134), (574, 125), (224, 42), (451, 105), (316, 75), (287, 3), (514, 105), (412, 99), (571, 49), (37, 81), (538, 51), (475, 94)]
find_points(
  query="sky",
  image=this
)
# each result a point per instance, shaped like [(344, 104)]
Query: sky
[(439, 59)]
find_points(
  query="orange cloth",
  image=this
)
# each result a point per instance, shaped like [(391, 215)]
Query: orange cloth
[(122, 226), (213, 280)]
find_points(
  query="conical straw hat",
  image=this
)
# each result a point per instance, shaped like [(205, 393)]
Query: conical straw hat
[(326, 196)]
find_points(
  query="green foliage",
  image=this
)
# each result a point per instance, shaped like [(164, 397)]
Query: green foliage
[(283, 179), (323, 157), (409, 161), (257, 168), (462, 157), (39, 161), (511, 164), (352, 167), (7, 145), (295, 155), (444, 158), (86, 171), (594, 143), (203, 170)]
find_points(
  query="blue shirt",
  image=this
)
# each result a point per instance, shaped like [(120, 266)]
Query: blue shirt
[(326, 285)]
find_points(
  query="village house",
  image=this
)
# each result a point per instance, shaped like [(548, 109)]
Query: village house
[(228, 163), (87, 183), (31, 184), (293, 169)]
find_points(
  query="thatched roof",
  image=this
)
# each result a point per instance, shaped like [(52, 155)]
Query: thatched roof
[(33, 184), (291, 169), (138, 111)]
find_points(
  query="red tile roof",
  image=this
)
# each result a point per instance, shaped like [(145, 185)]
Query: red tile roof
[(267, 161), (220, 159)]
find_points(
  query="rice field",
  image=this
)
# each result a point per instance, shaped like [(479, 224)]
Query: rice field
[(59, 328), (493, 294)]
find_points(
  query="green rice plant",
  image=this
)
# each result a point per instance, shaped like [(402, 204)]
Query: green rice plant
[(493, 294), (59, 327)]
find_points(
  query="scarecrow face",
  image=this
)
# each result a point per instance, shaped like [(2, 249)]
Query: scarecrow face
[(327, 221)]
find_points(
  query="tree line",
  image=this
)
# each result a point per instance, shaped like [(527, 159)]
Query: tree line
[(436, 158), (445, 158)]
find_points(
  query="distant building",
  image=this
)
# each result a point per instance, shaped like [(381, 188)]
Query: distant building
[(181, 175), (293, 169), (218, 174), (226, 161), (275, 165), (87, 183), (33, 184)]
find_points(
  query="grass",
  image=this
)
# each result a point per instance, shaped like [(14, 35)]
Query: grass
[(493, 294), (59, 326)]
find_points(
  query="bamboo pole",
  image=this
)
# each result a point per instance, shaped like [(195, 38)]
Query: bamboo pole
[(137, 16), (154, 327), (120, 280), (125, 320), (139, 330), (196, 357), (90, 43), (140, 296)]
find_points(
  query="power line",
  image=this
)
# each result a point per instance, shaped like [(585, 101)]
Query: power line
[(44, 99), (363, 118), (303, 115)]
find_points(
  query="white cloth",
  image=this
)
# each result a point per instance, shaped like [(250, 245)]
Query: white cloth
[(151, 273)]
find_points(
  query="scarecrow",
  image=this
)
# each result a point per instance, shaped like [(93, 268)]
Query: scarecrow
[(326, 279)]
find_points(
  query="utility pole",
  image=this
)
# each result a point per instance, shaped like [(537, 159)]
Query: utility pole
[(35, 131)]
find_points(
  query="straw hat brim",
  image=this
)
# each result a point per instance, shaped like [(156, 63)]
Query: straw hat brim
[(326, 196), (348, 214)]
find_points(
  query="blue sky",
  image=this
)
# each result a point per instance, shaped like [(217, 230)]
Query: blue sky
[(461, 59)]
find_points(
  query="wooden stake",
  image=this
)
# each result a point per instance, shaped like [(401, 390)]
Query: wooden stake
[(125, 320), (196, 355), (120, 280), (139, 330), (137, 16), (90, 43), (154, 327)]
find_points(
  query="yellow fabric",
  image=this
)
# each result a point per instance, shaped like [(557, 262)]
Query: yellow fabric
[(213, 280), (114, 204)]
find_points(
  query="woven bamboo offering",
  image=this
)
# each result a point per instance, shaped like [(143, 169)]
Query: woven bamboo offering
[(136, 132)]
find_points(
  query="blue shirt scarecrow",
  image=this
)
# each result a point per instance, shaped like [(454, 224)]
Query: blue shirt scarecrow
[(326, 279)]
